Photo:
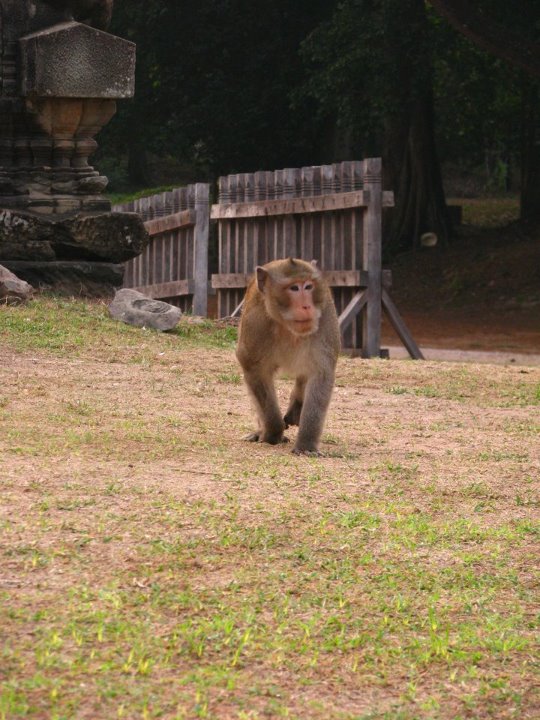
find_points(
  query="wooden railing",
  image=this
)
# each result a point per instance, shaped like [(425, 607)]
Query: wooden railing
[(331, 213)]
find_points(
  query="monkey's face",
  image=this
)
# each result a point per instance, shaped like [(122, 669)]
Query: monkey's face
[(298, 306)]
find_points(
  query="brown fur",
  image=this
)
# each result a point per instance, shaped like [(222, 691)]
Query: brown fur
[(289, 322)]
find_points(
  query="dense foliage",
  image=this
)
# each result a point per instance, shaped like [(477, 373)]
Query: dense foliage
[(235, 86)]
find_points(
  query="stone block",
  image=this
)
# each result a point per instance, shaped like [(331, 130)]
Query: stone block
[(12, 288), (68, 278), (134, 308), (74, 60), (64, 204), (105, 237), (95, 204)]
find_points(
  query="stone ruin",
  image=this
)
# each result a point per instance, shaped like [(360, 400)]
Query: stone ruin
[(59, 83)]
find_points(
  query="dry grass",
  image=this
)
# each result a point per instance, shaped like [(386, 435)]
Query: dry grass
[(152, 565)]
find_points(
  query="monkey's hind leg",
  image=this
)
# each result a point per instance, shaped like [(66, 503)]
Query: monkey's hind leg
[(271, 424), (292, 416)]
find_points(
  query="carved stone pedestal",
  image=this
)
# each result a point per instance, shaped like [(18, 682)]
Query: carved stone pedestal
[(60, 81)]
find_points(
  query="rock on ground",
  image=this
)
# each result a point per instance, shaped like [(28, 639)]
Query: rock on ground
[(12, 289), (134, 308)]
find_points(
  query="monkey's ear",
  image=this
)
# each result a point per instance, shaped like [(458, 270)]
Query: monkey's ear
[(262, 274), (316, 269)]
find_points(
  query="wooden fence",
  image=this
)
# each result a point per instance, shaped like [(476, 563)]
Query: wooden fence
[(331, 213), (174, 265)]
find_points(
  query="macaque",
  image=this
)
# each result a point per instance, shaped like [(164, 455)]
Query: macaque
[(289, 322)]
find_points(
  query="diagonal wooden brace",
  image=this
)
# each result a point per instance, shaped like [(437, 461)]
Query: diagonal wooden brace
[(353, 308), (400, 327)]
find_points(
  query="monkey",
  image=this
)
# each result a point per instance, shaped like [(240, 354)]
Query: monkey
[(289, 322), (96, 13)]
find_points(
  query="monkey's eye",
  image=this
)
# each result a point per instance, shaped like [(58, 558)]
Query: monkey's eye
[(294, 288), (309, 286)]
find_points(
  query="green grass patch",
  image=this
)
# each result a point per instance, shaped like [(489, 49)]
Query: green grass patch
[(488, 212), (119, 198), (74, 326)]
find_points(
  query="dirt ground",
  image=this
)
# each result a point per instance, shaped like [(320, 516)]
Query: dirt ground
[(154, 565), (480, 294)]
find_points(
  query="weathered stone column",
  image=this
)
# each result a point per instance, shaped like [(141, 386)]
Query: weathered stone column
[(59, 83)]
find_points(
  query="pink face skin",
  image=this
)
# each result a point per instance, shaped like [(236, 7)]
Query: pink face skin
[(302, 314)]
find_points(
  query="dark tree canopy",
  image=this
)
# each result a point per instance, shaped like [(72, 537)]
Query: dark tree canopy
[(499, 35), (235, 86), (514, 37)]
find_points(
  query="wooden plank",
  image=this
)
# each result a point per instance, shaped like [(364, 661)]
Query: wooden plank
[(372, 258), (306, 221), (225, 281), (200, 264), (346, 278), (228, 235), (277, 224), (168, 289), (347, 180), (223, 197), (258, 227), (296, 179), (289, 224), (358, 301), (185, 218), (400, 327), (250, 241), (243, 226), (335, 278), (187, 201), (358, 174), (295, 206), (316, 218), (328, 225)]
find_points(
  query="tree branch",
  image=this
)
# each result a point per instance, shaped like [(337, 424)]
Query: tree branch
[(482, 30)]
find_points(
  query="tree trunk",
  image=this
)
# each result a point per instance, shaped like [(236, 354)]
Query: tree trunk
[(530, 152), (410, 156)]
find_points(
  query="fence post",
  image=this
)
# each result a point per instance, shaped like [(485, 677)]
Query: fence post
[(372, 258), (200, 262)]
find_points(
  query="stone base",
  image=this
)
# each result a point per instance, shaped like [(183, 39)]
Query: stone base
[(99, 237), (57, 206), (70, 278)]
